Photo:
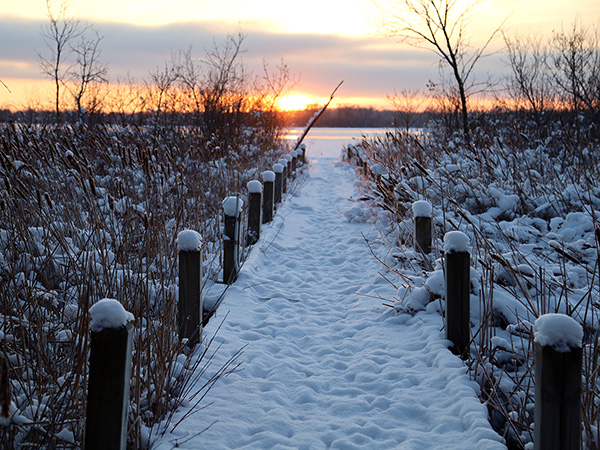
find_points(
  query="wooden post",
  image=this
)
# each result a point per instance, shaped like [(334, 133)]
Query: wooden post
[(349, 154), (458, 285), (302, 154), (284, 174), (254, 211), (294, 162), (422, 211), (423, 234), (558, 393), (189, 307), (290, 169), (108, 388), (278, 169), (232, 207), (268, 195)]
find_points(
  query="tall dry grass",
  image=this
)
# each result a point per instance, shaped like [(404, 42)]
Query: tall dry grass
[(90, 213), (529, 201)]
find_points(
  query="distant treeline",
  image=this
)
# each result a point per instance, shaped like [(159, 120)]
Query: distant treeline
[(346, 116), (353, 116)]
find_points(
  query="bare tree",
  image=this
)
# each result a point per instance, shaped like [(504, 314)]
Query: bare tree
[(268, 89), (224, 89), (408, 104), (161, 93), (86, 72), (443, 27), (58, 33), (190, 73), (576, 66), (529, 83), (126, 98)]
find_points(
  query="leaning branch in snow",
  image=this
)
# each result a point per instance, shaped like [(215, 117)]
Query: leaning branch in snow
[(314, 119)]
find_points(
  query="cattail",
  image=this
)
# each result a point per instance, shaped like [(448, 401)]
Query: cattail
[(48, 199), (111, 202), (92, 185), (38, 195), (5, 389)]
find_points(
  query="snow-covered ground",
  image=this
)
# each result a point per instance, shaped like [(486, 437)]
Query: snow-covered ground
[(325, 364)]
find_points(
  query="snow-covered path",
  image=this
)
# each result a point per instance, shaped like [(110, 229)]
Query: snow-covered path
[(326, 365)]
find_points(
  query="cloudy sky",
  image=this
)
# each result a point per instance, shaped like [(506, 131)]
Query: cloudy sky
[(321, 41)]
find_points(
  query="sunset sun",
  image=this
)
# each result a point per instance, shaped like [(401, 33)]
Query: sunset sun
[(295, 102)]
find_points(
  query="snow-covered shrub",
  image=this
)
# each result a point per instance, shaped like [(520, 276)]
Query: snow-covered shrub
[(529, 201)]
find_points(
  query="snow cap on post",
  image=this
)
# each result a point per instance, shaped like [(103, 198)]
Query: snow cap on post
[(294, 153), (108, 313), (268, 176), (558, 331), (288, 157), (230, 204), (277, 168), (189, 241), (283, 162), (456, 242), (254, 187), (422, 208)]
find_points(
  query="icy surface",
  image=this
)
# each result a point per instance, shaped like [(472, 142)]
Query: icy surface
[(108, 313), (232, 206), (254, 186), (189, 241), (558, 331), (456, 242), (325, 365), (422, 208), (268, 176)]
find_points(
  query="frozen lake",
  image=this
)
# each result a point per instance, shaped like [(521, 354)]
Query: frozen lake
[(329, 142)]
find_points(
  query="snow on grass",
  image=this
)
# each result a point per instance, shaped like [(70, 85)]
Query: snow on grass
[(108, 313), (558, 331)]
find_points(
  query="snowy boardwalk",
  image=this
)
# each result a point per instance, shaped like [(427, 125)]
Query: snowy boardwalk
[(326, 365)]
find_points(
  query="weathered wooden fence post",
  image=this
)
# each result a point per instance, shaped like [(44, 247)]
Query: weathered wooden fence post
[(290, 169), (284, 174), (558, 367), (268, 195), (302, 154), (189, 306), (294, 154), (349, 154), (254, 211), (109, 376), (232, 208), (422, 211), (278, 169), (458, 284)]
